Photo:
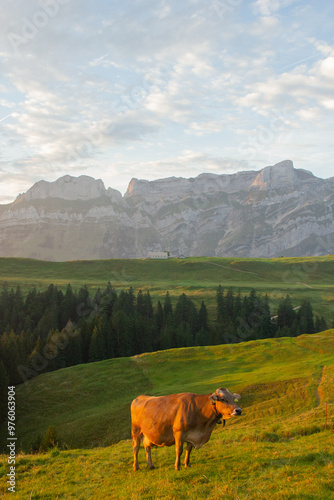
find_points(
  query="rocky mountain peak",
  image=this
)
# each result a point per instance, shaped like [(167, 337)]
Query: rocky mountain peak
[(282, 175), (67, 188), (279, 210)]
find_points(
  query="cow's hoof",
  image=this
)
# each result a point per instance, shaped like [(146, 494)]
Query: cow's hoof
[(135, 468), (151, 467), (186, 466)]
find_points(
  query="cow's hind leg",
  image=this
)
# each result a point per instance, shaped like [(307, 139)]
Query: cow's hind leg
[(149, 458), (188, 451), (147, 445), (179, 449), (136, 438)]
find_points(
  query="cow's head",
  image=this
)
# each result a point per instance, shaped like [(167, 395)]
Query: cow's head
[(225, 403)]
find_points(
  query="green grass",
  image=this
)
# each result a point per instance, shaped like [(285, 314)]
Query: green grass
[(278, 447), (226, 467), (301, 277)]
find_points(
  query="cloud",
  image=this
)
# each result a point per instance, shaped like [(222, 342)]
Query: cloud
[(107, 84), (268, 7)]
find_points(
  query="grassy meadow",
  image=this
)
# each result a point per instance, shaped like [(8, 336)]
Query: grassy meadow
[(300, 277), (278, 448)]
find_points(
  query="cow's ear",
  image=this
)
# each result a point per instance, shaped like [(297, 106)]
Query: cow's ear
[(236, 397), (214, 397)]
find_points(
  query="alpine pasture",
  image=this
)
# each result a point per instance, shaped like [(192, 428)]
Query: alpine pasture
[(278, 448)]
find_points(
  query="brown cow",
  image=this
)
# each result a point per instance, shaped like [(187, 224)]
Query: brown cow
[(177, 419)]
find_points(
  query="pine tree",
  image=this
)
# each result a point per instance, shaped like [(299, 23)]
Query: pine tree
[(68, 308), (168, 310), (221, 307), (4, 382), (317, 326), (97, 349), (159, 317), (237, 308), (50, 439), (73, 351), (285, 313), (84, 304), (17, 313), (186, 312), (167, 337), (10, 356), (108, 301), (148, 305), (265, 328), (323, 324), (140, 304), (33, 309), (126, 302), (37, 361), (305, 317), (123, 331), (229, 303), (203, 318)]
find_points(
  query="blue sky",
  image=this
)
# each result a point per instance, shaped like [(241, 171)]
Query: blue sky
[(158, 88)]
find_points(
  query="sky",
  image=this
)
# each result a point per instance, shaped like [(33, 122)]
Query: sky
[(158, 88)]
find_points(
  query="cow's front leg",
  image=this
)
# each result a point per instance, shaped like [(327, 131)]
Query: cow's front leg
[(135, 446), (178, 448), (188, 451), (148, 457)]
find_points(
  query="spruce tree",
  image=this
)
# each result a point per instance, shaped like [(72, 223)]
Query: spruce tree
[(168, 310), (203, 317), (285, 313), (97, 350), (323, 324), (221, 308), (4, 382), (108, 301), (140, 304), (305, 317), (159, 317), (50, 439), (317, 327)]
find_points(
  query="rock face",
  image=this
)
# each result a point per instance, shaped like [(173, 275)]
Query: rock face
[(277, 211)]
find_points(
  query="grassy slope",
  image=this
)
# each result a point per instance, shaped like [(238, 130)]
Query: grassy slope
[(284, 384), (301, 277)]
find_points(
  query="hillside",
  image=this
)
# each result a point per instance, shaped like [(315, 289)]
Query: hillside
[(198, 277), (89, 404), (279, 210), (279, 442)]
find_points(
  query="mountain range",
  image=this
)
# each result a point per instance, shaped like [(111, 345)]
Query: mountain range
[(277, 211)]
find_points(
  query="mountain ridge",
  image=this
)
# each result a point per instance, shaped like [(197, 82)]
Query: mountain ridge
[(278, 210)]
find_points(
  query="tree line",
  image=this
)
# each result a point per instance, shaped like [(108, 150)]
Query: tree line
[(52, 329)]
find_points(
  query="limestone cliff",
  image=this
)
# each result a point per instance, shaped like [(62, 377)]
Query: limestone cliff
[(277, 211)]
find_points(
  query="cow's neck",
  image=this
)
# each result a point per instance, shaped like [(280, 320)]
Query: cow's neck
[(210, 412)]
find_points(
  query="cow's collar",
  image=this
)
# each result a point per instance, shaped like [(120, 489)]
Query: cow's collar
[(218, 415)]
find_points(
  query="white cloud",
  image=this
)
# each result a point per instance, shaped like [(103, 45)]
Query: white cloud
[(268, 7), (144, 81)]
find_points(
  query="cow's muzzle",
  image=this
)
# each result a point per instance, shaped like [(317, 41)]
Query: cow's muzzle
[(237, 411)]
